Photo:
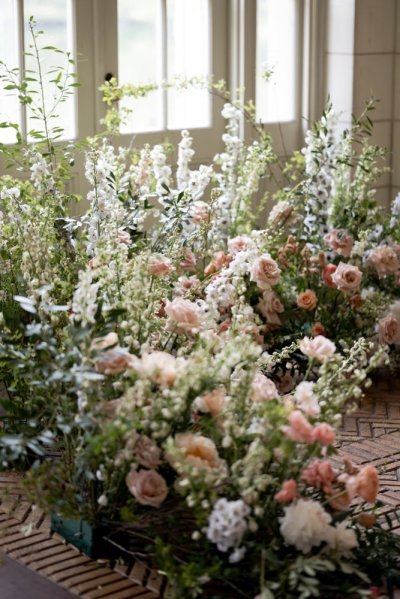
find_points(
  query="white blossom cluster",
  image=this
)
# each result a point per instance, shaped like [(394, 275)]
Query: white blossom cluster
[(227, 525), (84, 303)]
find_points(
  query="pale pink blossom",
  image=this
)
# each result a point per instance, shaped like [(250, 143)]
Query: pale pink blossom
[(263, 389), (115, 361), (185, 285), (188, 261), (240, 244), (270, 306), (347, 277), (160, 367), (160, 266), (147, 453), (306, 400), (340, 241), (389, 330), (321, 475), (299, 428), (183, 316), (319, 348), (199, 212), (213, 402), (288, 491), (385, 260), (147, 486), (123, 237), (265, 272), (324, 434)]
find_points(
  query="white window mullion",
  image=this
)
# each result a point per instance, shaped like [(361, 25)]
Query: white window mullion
[(162, 51), (21, 60)]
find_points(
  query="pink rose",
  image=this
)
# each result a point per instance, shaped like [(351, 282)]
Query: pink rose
[(327, 273), (270, 306), (385, 260), (199, 212), (299, 428), (147, 486), (160, 367), (265, 272), (184, 316), (188, 261), (288, 491), (347, 277), (307, 300), (324, 433), (123, 237), (160, 266), (199, 451), (339, 241), (320, 347), (389, 330), (263, 389), (321, 475), (213, 402), (114, 361), (147, 453), (240, 244)]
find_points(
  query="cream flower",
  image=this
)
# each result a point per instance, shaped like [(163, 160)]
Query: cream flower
[(160, 367), (199, 451), (147, 486), (212, 403), (305, 525), (184, 316), (320, 347)]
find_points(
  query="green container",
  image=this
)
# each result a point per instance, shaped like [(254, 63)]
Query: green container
[(87, 538)]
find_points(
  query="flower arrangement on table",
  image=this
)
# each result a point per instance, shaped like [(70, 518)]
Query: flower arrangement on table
[(192, 370)]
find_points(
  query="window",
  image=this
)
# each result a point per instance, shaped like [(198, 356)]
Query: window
[(55, 19)]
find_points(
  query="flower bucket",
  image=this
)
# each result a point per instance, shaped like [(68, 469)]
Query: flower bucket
[(89, 539)]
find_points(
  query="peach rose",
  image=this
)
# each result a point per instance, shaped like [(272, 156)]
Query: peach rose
[(368, 483), (101, 343), (147, 486), (123, 237), (160, 266), (183, 316), (389, 330), (160, 367), (385, 260), (212, 403), (324, 433), (270, 306), (318, 329), (340, 241), (366, 520), (319, 348), (265, 272), (307, 300), (299, 428), (327, 273), (288, 491), (199, 451), (199, 212), (147, 453), (114, 361), (347, 277), (263, 389)]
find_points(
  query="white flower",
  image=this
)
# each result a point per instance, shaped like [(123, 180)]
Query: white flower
[(305, 525), (102, 500), (306, 400), (342, 539), (227, 524)]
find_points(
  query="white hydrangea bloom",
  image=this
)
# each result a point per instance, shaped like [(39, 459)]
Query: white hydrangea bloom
[(227, 524), (305, 525)]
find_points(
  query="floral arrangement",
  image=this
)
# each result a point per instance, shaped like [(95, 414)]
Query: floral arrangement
[(191, 369)]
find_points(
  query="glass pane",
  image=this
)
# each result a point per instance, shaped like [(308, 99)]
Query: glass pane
[(55, 19), (276, 50), (9, 105), (139, 60), (188, 35)]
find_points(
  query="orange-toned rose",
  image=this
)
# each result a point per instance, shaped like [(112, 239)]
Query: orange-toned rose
[(307, 300), (288, 491), (366, 520), (199, 451), (147, 486), (265, 272), (327, 273), (368, 483), (318, 329)]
